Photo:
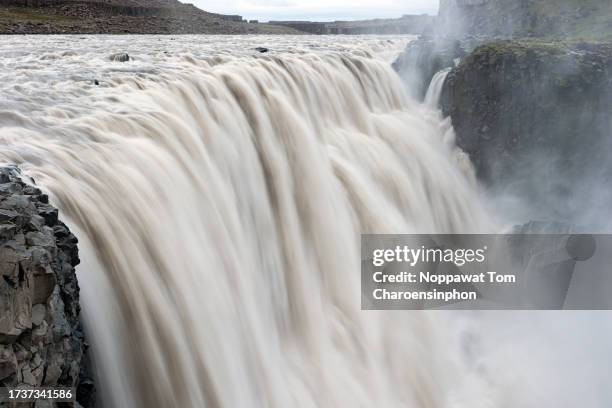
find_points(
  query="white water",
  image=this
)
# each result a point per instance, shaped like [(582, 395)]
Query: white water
[(434, 92), (219, 196)]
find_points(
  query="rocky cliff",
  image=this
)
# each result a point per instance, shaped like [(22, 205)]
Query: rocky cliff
[(585, 19), (519, 72), (535, 115), (41, 341), (533, 112)]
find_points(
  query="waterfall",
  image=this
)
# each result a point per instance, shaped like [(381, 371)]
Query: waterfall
[(219, 214), (219, 197), (434, 92)]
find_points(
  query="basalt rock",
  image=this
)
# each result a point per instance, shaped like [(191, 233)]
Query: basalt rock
[(41, 339), (535, 116), (511, 98)]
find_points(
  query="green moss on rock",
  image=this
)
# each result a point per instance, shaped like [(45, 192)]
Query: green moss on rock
[(513, 101)]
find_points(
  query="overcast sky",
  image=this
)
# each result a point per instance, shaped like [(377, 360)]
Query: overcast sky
[(320, 10)]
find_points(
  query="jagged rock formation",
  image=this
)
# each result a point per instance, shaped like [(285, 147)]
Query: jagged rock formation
[(119, 17), (41, 341), (407, 24)]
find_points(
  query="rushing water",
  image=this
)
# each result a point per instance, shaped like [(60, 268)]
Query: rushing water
[(432, 97), (219, 195)]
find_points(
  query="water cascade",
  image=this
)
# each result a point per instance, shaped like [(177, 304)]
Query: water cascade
[(219, 206)]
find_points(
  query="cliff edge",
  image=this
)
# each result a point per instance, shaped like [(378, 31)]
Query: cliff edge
[(529, 91), (509, 99), (41, 341), (534, 117)]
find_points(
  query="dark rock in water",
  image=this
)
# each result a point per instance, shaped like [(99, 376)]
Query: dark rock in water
[(86, 392), (262, 49), (120, 57), (41, 339)]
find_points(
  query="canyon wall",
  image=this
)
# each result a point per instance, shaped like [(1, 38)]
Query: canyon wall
[(515, 96), (41, 340), (584, 19), (535, 119), (529, 95)]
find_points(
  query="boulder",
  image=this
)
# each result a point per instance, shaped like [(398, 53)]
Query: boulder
[(120, 57)]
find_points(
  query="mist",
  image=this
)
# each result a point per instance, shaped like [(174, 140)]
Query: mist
[(533, 115), (530, 102)]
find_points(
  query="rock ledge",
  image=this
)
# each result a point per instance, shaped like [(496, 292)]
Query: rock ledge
[(41, 341)]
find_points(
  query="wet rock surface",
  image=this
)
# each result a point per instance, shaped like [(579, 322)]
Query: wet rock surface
[(41, 340), (535, 119), (510, 100)]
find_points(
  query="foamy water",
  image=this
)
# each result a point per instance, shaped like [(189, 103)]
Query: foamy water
[(219, 195)]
